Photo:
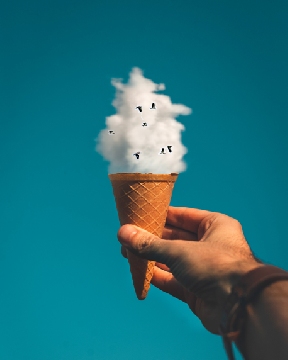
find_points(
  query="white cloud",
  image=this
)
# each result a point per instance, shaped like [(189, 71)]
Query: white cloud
[(130, 136)]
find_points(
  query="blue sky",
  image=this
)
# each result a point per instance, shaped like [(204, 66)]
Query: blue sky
[(66, 292)]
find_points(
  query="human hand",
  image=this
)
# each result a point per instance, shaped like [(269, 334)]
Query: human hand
[(201, 255)]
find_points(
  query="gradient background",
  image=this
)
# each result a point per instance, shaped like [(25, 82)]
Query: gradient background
[(65, 290)]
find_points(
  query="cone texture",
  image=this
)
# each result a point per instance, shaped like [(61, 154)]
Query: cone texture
[(142, 200)]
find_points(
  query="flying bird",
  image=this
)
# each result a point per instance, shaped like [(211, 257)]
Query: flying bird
[(169, 148), (153, 106), (139, 108), (144, 124), (162, 151), (111, 132), (137, 154)]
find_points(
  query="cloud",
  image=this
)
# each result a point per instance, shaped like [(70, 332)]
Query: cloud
[(130, 136)]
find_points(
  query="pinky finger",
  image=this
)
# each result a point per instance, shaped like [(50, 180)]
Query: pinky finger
[(166, 282), (163, 266)]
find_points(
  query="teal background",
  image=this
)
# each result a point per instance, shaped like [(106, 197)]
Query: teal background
[(66, 292)]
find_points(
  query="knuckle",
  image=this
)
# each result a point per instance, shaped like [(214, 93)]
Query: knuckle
[(220, 219), (238, 224), (206, 223), (234, 223)]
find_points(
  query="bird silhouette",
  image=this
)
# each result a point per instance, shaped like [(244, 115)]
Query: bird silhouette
[(139, 108), (137, 154), (144, 124), (162, 151), (111, 132), (169, 148), (153, 106)]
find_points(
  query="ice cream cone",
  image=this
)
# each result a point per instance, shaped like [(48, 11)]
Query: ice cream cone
[(142, 200)]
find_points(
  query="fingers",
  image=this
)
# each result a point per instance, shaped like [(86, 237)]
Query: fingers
[(185, 218), (143, 243), (163, 279), (166, 282), (162, 266), (174, 233)]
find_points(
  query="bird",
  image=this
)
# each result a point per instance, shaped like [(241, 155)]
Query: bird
[(169, 148), (153, 106), (111, 132), (137, 154), (162, 151), (144, 124), (139, 108)]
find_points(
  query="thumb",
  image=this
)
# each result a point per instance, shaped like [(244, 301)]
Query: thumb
[(143, 243)]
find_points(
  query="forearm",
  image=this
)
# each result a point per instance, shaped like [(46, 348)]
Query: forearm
[(265, 335)]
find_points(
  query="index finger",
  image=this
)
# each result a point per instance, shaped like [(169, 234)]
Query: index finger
[(186, 218)]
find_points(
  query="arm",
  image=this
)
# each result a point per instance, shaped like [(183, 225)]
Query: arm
[(265, 335)]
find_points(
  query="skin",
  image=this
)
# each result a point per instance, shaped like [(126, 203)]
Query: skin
[(201, 255)]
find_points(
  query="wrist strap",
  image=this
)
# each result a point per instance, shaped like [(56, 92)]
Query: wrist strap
[(242, 294)]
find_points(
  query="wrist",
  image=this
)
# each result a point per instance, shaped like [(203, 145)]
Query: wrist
[(240, 268), (244, 293), (266, 315)]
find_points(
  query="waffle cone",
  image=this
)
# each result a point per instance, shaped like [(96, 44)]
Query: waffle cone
[(142, 200)]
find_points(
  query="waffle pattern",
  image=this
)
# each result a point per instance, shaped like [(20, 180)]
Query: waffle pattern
[(143, 203)]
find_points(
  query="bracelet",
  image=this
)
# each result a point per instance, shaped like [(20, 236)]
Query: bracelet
[(243, 293)]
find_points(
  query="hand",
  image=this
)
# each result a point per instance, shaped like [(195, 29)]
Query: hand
[(200, 257)]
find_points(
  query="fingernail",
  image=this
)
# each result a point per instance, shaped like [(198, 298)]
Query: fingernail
[(125, 233)]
